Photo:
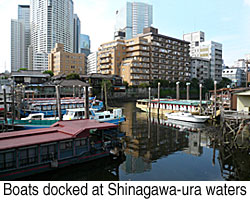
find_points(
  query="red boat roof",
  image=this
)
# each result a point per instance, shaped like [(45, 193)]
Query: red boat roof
[(62, 130)]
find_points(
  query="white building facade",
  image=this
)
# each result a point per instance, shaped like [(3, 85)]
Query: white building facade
[(206, 49), (234, 74), (92, 63), (51, 23), (133, 18)]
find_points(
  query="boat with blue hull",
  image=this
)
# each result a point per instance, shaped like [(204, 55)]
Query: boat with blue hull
[(38, 120), (114, 116), (23, 153)]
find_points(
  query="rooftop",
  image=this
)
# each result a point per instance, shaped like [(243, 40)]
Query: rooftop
[(61, 130)]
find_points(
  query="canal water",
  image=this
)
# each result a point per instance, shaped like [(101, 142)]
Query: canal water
[(154, 151)]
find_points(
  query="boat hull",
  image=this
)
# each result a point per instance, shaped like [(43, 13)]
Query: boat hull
[(41, 168)]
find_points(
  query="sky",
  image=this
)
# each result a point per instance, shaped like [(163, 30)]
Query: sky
[(223, 21)]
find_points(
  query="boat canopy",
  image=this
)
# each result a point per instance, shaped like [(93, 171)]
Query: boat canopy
[(62, 130)]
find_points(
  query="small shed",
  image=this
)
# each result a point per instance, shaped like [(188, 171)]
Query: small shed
[(243, 100)]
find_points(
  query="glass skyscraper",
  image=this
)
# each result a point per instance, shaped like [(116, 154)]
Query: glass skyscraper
[(133, 18), (20, 38), (85, 44)]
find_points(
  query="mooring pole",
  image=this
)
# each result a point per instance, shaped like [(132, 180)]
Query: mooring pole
[(177, 90), (188, 87), (200, 97), (74, 94), (5, 105), (13, 104), (79, 91), (158, 108), (86, 102), (215, 96), (149, 100), (58, 99)]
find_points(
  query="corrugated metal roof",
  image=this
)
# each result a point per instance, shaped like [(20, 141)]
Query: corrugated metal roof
[(59, 131)]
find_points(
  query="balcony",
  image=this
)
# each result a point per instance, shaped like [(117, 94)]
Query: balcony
[(107, 60)]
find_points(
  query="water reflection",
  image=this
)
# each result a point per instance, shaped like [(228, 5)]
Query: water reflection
[(156, 150)]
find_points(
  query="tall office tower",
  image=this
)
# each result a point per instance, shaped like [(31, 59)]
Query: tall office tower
[(20, 38), (77, 32), (17, 45), (84, 44), (51, 23), (206, 49), (133, 18), (24, 18)]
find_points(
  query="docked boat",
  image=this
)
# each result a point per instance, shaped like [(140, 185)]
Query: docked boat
[(186, 116), (34, 121), (171, 105), (38, 120), (23, 153), (115, 116), (49, 109)]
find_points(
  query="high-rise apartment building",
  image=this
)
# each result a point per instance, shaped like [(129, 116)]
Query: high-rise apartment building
[(150, 56), (206, 49), (20, 38), (77, 33), (61, 62), (133, 18), (92, 63), (51, 23), (84, 44), (24, 18), (17, 45), (200, 68)]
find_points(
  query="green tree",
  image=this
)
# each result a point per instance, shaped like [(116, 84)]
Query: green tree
[(208, 84), (49, 72), (73, 76), (125, 83), (22, 69), (224, 83)]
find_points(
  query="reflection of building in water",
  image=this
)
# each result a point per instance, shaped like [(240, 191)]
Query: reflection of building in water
[(135, 164), (147, 142), (194, 144), (234, 163)]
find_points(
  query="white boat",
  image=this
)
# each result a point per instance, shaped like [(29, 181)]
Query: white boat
[(186, 116), (114, 117), (39, 116)]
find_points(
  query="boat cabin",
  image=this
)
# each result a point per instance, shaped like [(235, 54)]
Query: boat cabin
[(64, 143)]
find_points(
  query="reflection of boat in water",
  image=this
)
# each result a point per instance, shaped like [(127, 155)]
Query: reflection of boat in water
[(184, 126), (186, 116)]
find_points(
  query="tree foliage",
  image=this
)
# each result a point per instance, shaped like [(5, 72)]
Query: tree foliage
[(22, 69), (49, 72), (73, 76)]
